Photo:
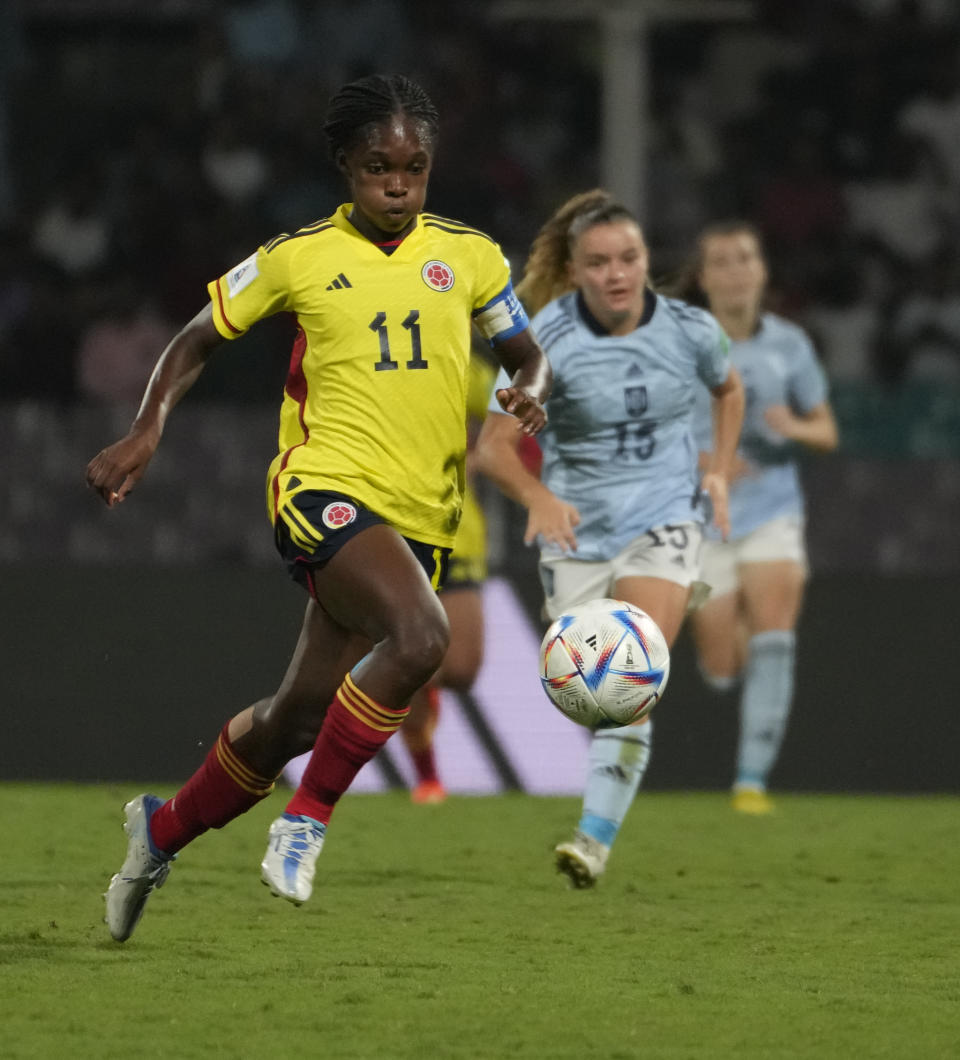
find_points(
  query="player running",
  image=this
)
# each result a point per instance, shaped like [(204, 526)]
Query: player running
[(366, 490), (746, 629), (618, 510)]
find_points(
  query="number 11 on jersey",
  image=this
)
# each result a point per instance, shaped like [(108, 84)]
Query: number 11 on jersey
[(412, 324)]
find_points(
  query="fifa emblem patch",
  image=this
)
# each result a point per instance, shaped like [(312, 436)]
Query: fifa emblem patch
[(242, 276), (338, 514), (437, 275)]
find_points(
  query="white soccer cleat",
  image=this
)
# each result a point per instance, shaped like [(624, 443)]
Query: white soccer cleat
[(143, 870), (291, 859), (582, 860)]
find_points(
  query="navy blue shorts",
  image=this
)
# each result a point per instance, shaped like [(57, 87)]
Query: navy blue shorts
[(314, 524)]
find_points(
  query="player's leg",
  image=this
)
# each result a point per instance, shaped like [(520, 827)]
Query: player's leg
[(464, 607), (717, 624), (772, 593), (654, 573), (463, 604), (237, 772), (254, 745), (718, 636), (417, 734), (375, 585), (618, 758)]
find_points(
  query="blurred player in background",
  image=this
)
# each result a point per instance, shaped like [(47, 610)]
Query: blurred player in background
[(462, 599), (617, 512), (746, 629), (366, 491)]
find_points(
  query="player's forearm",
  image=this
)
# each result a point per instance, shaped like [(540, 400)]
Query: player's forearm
[(175, 372), (497, 457), (728, 406), (818, 430), (526, 365)]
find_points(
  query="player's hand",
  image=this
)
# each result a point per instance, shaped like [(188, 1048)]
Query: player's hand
[(517, 402), (716, 485), (782, 419), (114, 471), (553, 519)]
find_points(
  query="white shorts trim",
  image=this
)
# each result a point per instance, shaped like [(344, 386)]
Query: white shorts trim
[(780, 539), (668, 552)]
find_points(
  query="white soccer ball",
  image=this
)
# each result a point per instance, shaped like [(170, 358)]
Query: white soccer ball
[(604, 664)]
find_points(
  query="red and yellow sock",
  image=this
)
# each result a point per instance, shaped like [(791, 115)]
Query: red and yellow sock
[(355, 728), (221, 789), (419, 741)]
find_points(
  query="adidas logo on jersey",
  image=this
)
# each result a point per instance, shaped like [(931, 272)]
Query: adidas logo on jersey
[(338, 283)]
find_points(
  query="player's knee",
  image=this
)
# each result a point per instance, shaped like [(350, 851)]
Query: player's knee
[(460, 668), (420, 646), (717, 679)]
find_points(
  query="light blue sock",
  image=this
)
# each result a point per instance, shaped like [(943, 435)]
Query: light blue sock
[(618, 760), (765, 704)]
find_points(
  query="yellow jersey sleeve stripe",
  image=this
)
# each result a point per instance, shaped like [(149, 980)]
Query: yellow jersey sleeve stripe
[(451, 225), (300, 232), (316, 226), (455, 231)]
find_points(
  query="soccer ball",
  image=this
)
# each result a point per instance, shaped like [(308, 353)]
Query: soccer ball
[(604, 664)]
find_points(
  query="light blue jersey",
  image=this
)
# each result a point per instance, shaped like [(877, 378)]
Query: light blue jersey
[(619, 441), (778, 367)]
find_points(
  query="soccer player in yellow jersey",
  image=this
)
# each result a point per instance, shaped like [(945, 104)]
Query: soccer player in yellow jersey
[(366, 490)]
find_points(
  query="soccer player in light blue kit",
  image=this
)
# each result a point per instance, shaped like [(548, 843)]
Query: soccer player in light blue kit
[(747, 626), (618, 509)]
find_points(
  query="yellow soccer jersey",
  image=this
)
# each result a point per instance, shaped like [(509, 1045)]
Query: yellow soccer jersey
[(480, 379), (468, 561), (375, 401)]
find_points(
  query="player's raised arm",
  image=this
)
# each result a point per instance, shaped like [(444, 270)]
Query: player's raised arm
[(530, 380), (114, 471)]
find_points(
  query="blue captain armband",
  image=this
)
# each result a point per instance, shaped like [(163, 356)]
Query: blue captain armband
[(502, 317)]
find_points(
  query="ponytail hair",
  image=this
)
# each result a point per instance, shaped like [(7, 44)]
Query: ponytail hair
[(546, 276)]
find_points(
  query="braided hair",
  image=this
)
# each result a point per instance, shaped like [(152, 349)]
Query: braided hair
[(545, 276), (372, 100)]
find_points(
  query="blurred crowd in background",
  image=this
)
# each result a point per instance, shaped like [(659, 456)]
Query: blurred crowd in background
[(147, 148), (144, 149)]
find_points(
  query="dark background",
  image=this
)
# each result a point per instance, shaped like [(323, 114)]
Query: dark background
[(145, 149), (136, 671)]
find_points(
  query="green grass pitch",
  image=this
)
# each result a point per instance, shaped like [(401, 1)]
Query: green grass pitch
[(830, 930)]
